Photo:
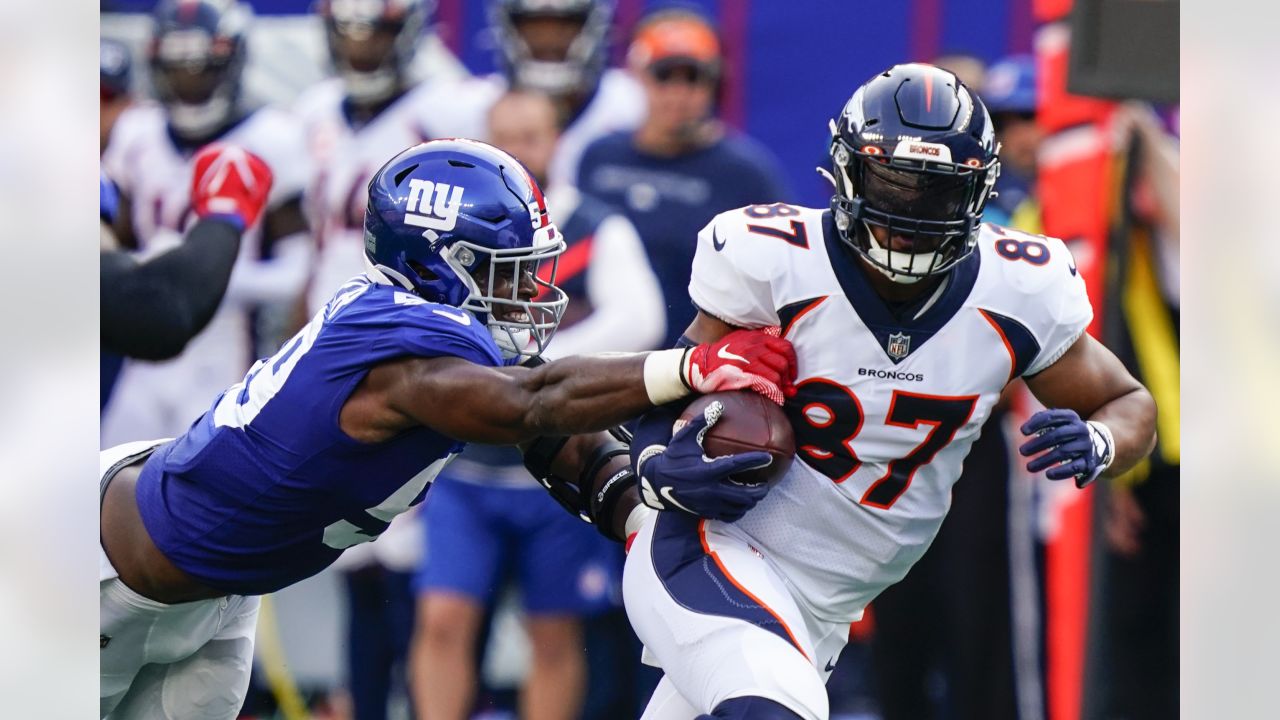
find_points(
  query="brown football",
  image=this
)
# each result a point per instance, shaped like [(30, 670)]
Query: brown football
[(750, 422)]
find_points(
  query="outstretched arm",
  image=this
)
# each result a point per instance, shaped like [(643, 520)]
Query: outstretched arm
[(581, 394), (505, 406)]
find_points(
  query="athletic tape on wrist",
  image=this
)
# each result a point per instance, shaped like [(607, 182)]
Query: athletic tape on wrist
[(664, 376)]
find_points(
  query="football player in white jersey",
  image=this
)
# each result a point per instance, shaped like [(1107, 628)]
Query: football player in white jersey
[(909, 316), (372, 109), (196, 55), (559, 47)]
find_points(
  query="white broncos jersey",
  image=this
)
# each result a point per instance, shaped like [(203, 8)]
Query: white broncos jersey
[(345, 157), (888, 406)]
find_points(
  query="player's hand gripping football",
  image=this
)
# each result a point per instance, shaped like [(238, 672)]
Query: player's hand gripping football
[(758, 360), (1075, 448), (229, 183), (680, 475)]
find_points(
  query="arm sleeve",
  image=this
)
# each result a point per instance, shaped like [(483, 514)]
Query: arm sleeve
[(150, 310), (627, 307)]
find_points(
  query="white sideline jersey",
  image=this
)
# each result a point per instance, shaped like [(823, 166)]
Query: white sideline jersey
[(343, 158), (155, 174), (887, 407)]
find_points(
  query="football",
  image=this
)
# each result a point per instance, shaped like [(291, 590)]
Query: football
[(750, 422)]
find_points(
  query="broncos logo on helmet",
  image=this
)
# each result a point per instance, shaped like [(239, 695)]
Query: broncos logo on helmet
[(462, 223)]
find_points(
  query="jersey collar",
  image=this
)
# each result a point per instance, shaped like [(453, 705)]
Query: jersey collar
[(898, 336)]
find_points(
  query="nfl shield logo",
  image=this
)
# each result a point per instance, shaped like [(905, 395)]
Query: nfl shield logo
[(899, 345)]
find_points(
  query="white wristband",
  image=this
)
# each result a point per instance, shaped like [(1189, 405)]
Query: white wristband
[(663, 376), (1104, 446), (1103, 443)]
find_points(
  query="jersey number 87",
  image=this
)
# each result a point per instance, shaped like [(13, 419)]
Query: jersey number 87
[(828, 416)]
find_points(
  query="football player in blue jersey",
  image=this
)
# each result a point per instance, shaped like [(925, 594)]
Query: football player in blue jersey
[(322, 444)]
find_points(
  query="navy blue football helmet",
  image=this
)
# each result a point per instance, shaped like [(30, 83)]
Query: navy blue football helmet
[(196, 57), (462, 223), (582, 62), (913, 152), (372, 43)]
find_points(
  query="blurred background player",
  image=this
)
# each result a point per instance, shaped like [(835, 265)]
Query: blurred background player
[(489, 521), (372, 108), (681, 166), (196, 56), (559, 47)]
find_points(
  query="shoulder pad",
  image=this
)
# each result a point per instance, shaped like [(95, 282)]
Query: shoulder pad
[(742, 252), (1034, 280)]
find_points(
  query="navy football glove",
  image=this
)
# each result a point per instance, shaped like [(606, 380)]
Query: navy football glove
[(1076, 449), (681, 476)]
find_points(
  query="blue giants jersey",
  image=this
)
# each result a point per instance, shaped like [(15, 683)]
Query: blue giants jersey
[(265, 489)]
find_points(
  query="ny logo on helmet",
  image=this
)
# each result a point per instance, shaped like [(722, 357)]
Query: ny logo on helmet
[(421, 211)]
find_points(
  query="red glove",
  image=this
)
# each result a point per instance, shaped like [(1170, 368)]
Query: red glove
[(755, 359), (229, 183)]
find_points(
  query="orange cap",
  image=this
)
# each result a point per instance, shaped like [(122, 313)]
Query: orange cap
[(679, 37)]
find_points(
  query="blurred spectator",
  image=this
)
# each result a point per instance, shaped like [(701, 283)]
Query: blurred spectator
[(681, 167), (115, 71), (559, 47), (1136, 668), (1010, 95), (372, 108), (196, 56), (485, 514)]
